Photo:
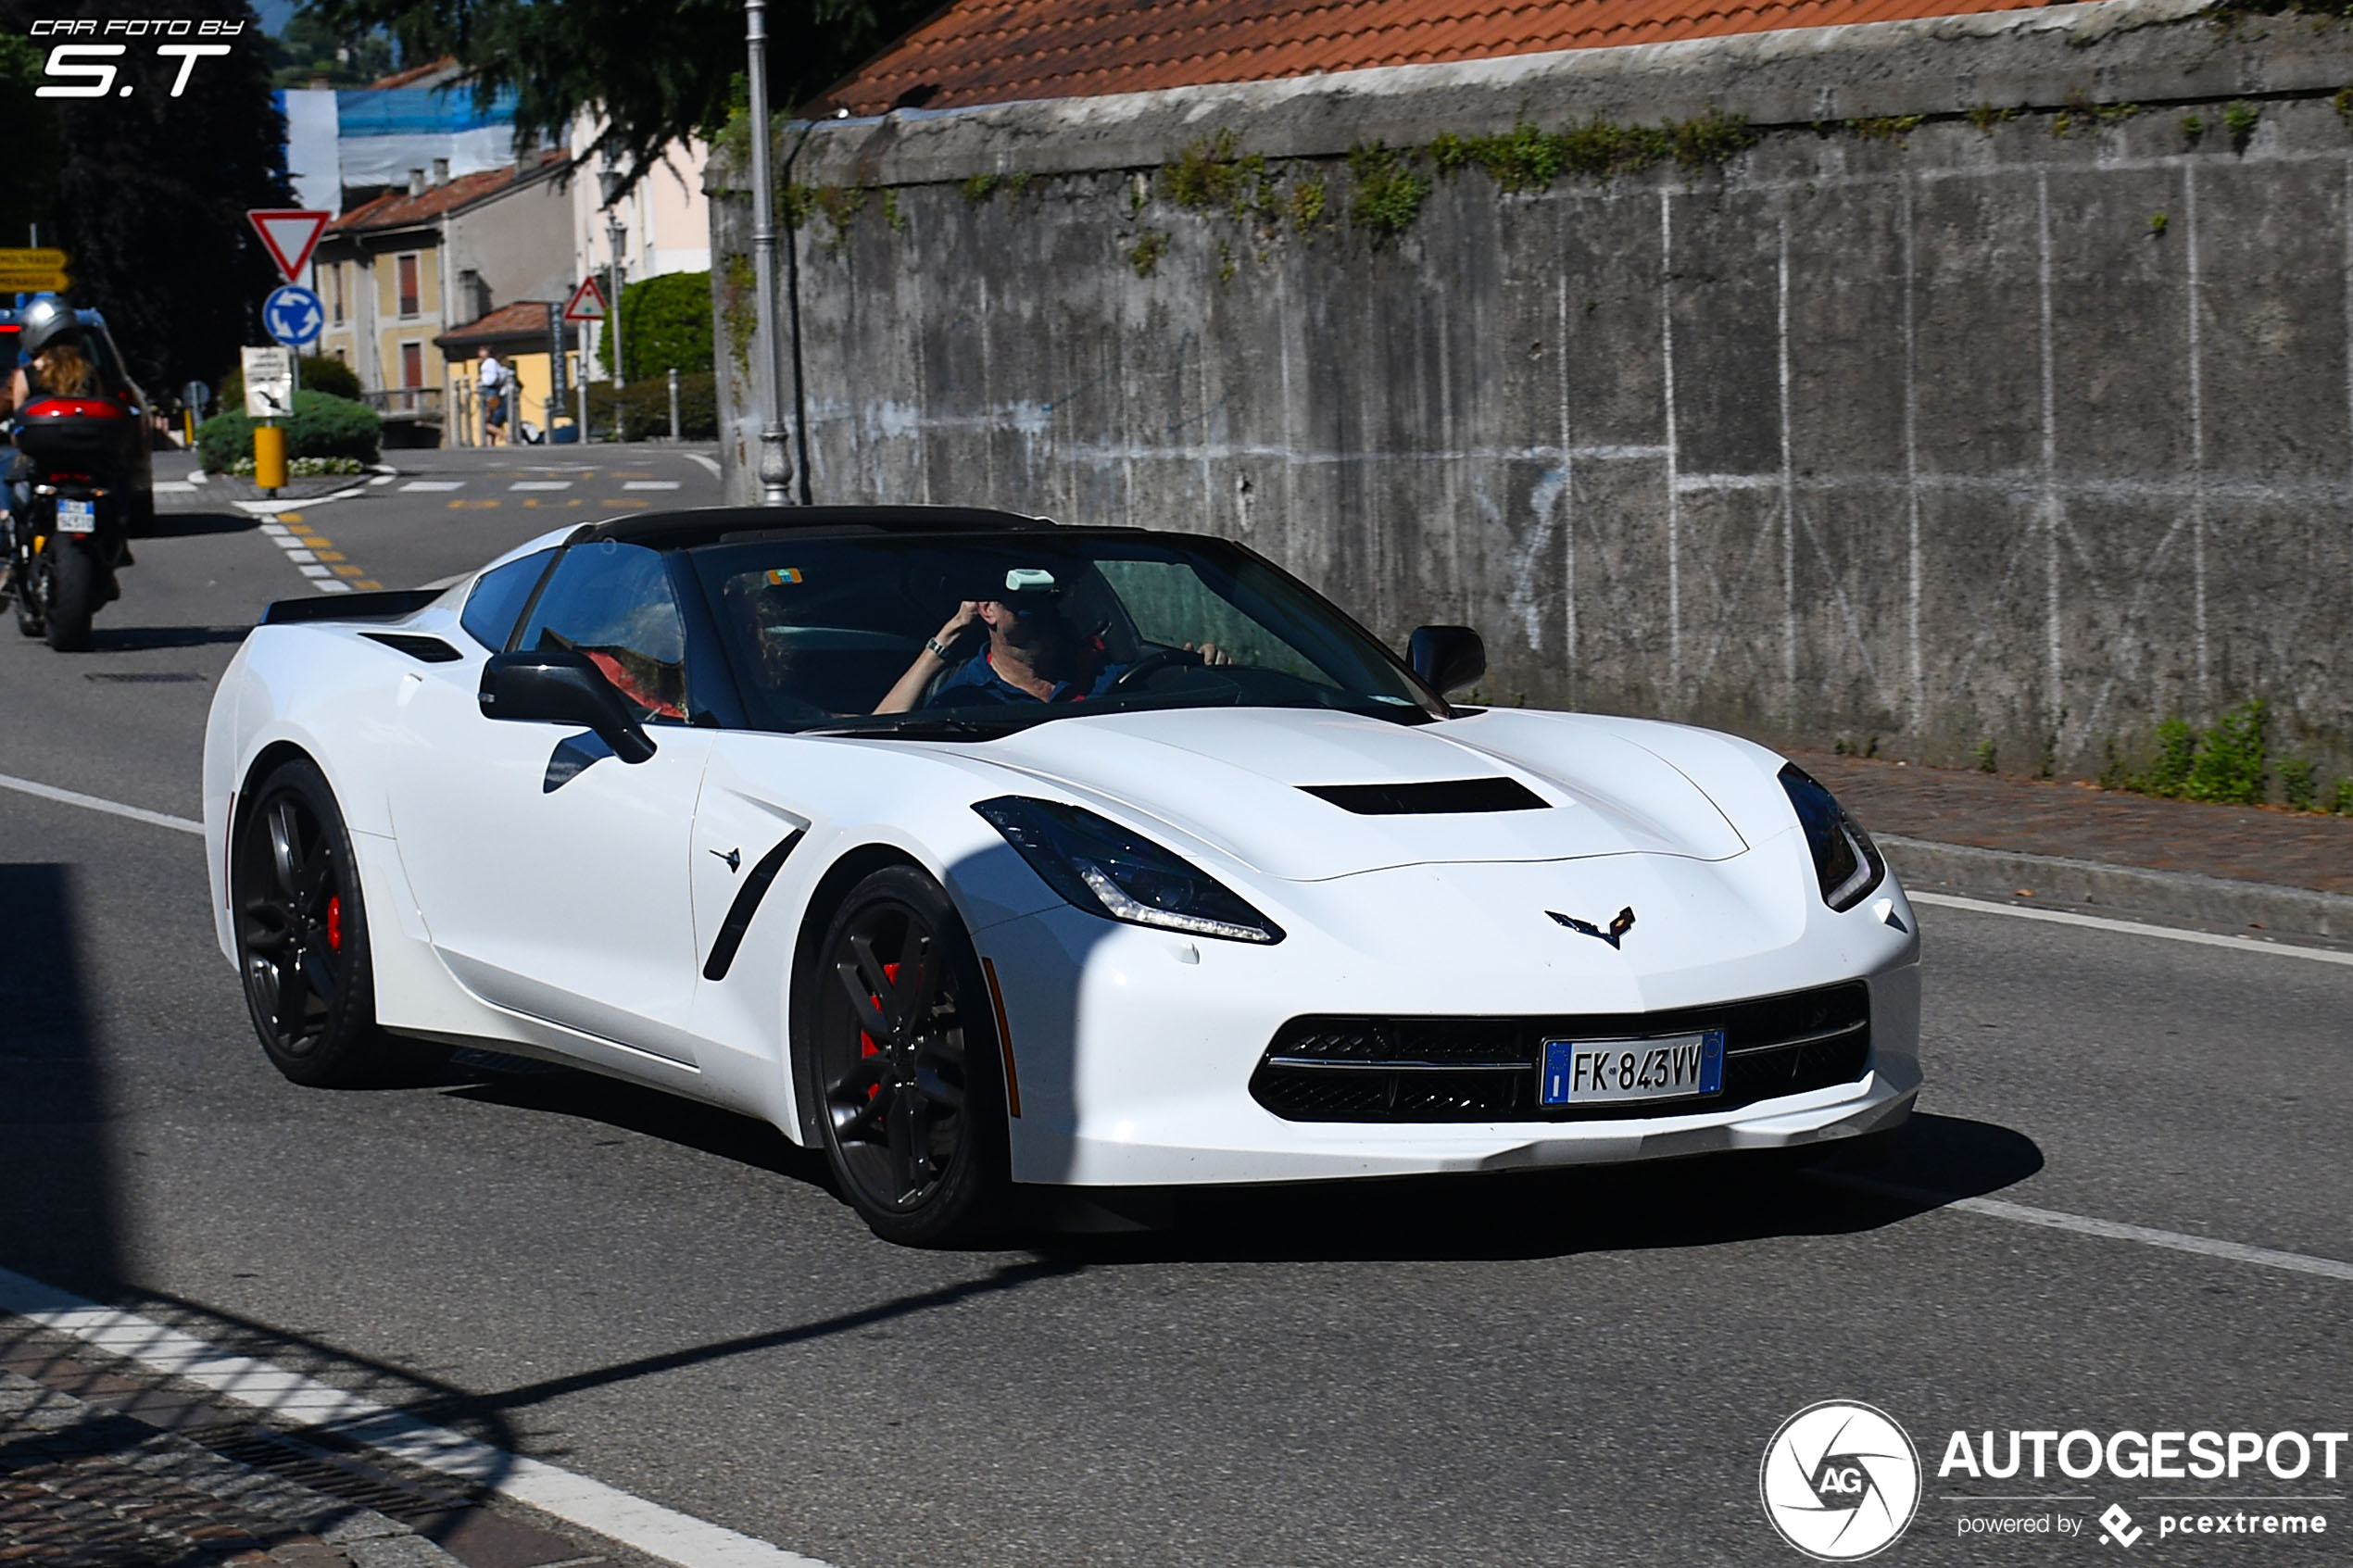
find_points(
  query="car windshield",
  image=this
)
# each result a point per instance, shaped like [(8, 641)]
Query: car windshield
[(845, 634)]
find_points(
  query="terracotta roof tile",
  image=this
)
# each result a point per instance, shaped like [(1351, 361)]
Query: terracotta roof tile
[(522, 319), (995, 51), (394, 208)]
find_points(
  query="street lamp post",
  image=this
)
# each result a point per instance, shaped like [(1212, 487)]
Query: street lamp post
[(775, 465), (615, 236)]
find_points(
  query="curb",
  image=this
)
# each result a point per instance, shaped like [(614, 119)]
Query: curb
[(2295, 911)]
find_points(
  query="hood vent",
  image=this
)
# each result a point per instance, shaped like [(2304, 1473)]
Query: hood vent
[(1442, 798)]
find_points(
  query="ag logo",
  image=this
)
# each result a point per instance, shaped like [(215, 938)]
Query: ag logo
[(1840, 1481)]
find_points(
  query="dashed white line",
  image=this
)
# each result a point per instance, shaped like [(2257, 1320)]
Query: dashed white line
[(174, 487), (541, 485), (301, 555), (95, 803), (617, 1515), (710, 463), (313, 570), (652, 484), (434, 485), (2132, 928)]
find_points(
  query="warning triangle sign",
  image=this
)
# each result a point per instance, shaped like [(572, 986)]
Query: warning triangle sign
[(588, 303), (289, 235)]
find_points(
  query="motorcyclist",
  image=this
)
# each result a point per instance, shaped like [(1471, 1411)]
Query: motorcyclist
[(49, 336)]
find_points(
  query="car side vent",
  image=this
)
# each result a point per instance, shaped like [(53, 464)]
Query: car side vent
[(1441, 799), (431, 650)]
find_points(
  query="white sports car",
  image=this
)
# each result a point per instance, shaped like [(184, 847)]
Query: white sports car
[(992, 856)]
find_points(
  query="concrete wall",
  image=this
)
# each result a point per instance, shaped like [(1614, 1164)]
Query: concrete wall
[(1925, 434)]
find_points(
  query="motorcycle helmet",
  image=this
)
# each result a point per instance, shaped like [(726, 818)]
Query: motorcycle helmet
[(46, 320)]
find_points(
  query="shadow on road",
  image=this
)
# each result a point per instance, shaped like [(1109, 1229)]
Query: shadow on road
[(1701, 1202), (60, 1221), (187, 526)]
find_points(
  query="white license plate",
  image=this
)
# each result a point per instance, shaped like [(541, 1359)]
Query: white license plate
[(1617, 1071), (77, 517)]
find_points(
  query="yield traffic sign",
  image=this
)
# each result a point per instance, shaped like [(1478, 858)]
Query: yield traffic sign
[(588, 301), (289, 234)]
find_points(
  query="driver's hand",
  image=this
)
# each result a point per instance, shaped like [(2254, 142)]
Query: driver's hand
[(1210, 653), (967, 614)]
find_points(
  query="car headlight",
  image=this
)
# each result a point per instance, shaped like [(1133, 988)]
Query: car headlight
[(1104, 869), (1847, 862)]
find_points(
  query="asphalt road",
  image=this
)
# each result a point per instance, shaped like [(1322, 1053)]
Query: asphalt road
[(1560, 1369)]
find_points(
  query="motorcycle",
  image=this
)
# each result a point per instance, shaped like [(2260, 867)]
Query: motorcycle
[(70, 505)]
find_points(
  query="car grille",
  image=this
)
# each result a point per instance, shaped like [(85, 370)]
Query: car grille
[(1329, 1068)]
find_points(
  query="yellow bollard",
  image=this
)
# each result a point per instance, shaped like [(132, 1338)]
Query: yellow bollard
[(269, 457)]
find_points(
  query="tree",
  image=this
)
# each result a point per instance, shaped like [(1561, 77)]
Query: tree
[(658, 70), (310, 49), (28, 141), (152, 192), (665, 325)]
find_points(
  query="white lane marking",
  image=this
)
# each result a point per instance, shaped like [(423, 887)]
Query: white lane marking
[(331, 585), (434, 485), (2113, 1230), (93, 803), (652, 484), (298, 556), (2132, 928), (541, 485), (314, 571), (659, 1532), (174, 487), (710, 463), (383, 479), (277, 530)]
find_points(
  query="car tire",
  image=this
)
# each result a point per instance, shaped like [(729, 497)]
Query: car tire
[(901, 1055), (302, 940)]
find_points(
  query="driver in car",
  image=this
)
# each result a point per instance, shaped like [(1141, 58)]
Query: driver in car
[(1032, 655)]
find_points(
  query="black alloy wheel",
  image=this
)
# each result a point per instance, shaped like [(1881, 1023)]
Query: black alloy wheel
[(905, 1065), (302, 938)]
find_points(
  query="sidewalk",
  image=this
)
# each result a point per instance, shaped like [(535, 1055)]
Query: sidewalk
[(2288, 873), (103, 1464)]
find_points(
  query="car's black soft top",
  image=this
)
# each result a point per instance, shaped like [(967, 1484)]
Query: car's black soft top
[(686, 530)]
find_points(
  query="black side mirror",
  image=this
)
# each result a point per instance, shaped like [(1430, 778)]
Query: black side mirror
[(560, 686), (1446, 658)]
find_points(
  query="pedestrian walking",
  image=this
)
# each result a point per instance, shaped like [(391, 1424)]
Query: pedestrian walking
[(494, 381)]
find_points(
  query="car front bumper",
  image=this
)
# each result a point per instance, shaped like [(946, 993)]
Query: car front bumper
[(1132, 1052)]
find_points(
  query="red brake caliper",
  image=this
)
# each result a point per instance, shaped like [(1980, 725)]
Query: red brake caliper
[(335, 923), (866, 1046)]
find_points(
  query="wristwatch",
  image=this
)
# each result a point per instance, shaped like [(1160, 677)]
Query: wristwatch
[(936, 646)]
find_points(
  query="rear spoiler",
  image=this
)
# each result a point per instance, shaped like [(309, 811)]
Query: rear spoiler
[(392, 604)]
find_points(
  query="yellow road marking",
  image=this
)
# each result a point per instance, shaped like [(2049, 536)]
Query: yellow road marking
[(327, 554), (347, 571), (471, 505), (290, 519), (629, 502), (369, 584)]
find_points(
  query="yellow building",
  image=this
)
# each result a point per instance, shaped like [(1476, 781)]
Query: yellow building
[(406, 278)]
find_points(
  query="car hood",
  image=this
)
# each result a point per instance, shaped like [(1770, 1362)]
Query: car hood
[(1233, 778)]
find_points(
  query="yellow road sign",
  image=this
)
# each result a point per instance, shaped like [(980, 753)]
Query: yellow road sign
[(43, 259), (35, 280)]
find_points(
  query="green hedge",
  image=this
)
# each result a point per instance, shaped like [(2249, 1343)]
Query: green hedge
[(321, 427), (319, 373), (643, 407), (665, 326)]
